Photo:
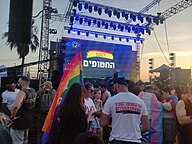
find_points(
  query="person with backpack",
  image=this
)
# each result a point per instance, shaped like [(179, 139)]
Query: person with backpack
[(45, 97)]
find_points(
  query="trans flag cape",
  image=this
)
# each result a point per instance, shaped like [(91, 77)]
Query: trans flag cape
[(72, 74), (155, 114)]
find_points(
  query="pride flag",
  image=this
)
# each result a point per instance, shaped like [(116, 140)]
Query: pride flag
[(155, 114), (72, 74)]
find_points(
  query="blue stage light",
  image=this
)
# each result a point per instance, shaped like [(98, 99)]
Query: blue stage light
[(95, 8), (86, 6), (120, 38), (71, 19), (106, 25), (123, 14), (81, 21), (87, 34), (74, 12), (103, 23), (115, 12), (111, 25), (114, 27), (118, 15), (96, 35), (127, 39), (77, 18), (85, 20), (98, 24), (112, 37), (109, 13), (78, 32), (142, 30), (126, 27), (89, 22), (99, 11), (74, 3), (148, 19), (122, 28), (140, 17), (90, 9), (80, 6), (94, 21), (106, 10), (119, 26), (133, 17), (104, 36), (126, 16), (135, 41), (68, 31)]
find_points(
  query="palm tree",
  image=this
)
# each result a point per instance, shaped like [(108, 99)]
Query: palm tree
[(23, 49)]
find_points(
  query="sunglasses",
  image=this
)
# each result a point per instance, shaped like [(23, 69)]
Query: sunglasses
[(91, 90)]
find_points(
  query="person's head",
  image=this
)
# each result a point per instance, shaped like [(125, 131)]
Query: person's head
[(136, 90), (120, 85), (88, 138), (47, 85), (73, 100), (149, 89), (102, 87), (23, 82), (88, 89), (11, 84), (97, 93), (165, 92)]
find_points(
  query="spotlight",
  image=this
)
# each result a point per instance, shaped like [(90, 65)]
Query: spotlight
[(106, 10), (89, 22), (135, 40), (120, 38), (148, 19), (126, 27), (99, 11), (94, 21), (141, 41), (81, 21), (119, 26), (118, 15), (109, 13), (112, 37), (136, 31), (78, 32), (77, 18), (139, 17), (133, 17), (106, 25), (142, 30), (80, 7), (68, 31), (71, 19), (75, 4), (115, 12), (123, 14), (95, 8), (85, 20), (114, 27), (104, 36), (111, 25), (126, 16), (103, 23), (98, 24), (74, 12), (127, 39), (90, 9), (87, 34), (86, 6), (96, 35), (122, 28)]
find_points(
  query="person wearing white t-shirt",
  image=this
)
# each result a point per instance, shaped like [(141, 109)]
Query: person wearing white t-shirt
[(129, 115), (9, 97)]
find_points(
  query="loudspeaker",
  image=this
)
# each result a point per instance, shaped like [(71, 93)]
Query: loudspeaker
[(20, 20)]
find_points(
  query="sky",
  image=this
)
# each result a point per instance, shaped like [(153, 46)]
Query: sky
[(179, 33)]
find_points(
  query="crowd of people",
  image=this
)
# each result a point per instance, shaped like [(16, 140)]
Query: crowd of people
[(129, 114)]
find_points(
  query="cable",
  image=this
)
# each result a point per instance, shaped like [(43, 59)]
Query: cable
[(160, 47), (166, 36)]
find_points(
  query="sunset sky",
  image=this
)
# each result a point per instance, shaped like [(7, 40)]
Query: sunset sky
[(179, 31)]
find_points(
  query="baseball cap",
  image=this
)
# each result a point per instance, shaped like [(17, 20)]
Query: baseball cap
[(120, 80), (49, 83)]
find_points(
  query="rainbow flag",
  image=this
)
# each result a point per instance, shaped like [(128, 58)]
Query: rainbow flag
[(155, 114), (72, 74)]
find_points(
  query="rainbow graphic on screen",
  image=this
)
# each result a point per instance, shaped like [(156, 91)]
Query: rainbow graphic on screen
[(99, 54)]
